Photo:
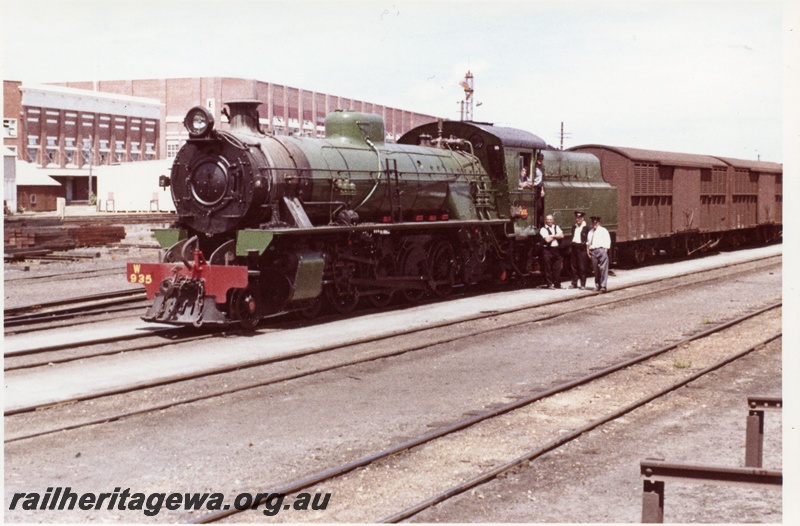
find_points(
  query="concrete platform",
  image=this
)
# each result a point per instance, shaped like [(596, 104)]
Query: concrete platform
[(49, 385)]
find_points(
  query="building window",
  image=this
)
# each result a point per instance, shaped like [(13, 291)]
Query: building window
[(135, 151), (172, 148), (119, 151), (150, 152), (32, 199), (9, 128)]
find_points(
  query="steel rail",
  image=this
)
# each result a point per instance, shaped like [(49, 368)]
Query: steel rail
[(468, 422), (70, 313), (165, 334), (567, 437), (89, 316), (14, 313), (475, 317), (82, 274), (394, 334)]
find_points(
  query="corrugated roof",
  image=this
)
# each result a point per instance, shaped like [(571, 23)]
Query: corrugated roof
[(665, 158), (756, 166)]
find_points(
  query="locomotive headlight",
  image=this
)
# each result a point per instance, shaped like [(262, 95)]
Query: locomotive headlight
[(198, 122)]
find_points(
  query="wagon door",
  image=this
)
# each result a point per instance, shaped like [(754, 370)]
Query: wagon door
[(686, 200)]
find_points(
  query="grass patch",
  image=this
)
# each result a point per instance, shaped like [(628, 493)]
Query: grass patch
[(681, 364)]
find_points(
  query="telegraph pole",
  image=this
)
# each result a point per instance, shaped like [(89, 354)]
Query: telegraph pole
[(563, 135)]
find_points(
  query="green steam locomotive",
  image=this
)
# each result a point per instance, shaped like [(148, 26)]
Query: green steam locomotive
[(272, 224)]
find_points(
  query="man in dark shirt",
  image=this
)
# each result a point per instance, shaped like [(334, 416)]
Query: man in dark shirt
[(579, 258)]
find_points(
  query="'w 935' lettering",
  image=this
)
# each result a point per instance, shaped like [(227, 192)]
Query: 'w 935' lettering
[(138, 277)]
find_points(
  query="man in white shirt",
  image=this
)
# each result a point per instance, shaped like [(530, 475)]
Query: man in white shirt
[(598, 244), (551, 233)]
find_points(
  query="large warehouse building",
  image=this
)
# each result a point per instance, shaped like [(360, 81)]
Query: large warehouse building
[(68, 129)]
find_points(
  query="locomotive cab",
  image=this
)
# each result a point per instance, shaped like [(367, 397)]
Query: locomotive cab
[(503, 152)]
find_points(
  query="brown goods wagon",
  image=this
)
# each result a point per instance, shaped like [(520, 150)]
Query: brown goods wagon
[(664, 193), (756, 193)]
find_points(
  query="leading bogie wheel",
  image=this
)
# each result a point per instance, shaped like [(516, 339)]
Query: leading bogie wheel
[(245, 309)]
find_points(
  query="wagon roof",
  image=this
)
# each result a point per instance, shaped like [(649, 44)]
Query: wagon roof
[(665, 158), (755, 166)]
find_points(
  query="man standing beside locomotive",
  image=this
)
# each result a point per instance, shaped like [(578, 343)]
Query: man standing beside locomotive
[(579, 257), (598, 243), (538, 188), (552, 254)]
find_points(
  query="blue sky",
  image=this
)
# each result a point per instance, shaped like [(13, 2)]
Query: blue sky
[(696, 77)]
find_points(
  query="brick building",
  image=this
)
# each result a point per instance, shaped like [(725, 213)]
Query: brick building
[(68, 128), (66, 132), (284, 110)]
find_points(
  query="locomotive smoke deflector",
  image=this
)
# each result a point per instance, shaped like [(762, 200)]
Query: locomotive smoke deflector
[(198, 122)]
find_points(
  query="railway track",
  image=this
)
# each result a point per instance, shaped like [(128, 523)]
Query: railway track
[(67, 345), (71, 308), (475, 439), (385, 346), (61, 276)]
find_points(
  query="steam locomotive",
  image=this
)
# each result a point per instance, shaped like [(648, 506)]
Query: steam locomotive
[(272, 224)]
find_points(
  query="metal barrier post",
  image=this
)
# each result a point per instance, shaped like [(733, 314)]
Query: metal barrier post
[(754, 443), (653, 501), (754, 439), (657, 472)]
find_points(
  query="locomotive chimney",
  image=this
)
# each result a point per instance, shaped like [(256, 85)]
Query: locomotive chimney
[(243, 116)]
